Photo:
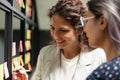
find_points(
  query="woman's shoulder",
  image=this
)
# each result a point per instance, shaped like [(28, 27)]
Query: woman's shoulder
[(97, 55), (51, 49), (98, 51)]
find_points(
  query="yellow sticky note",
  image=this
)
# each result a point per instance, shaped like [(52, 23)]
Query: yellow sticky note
[(1, 72), (23, 5), (18, 60)]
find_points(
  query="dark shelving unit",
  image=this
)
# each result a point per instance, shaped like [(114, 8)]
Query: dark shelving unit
[(10, 13)]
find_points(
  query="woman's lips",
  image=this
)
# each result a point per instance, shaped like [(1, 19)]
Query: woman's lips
[(59, 42)]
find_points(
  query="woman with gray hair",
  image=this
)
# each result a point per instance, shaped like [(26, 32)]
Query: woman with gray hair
[(102, 25)]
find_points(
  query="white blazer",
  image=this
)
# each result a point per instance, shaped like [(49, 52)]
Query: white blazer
[(48, 63)]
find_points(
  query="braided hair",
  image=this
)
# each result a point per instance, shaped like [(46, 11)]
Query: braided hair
[(71, 10)]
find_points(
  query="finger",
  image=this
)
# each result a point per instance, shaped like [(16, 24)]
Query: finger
[(16, 76), (24, 74), (24, 77)]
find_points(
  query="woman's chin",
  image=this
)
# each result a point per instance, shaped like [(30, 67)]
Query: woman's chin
[(60, 46)]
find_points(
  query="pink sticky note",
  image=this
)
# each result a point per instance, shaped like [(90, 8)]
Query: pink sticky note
[(6, 72), (13, 48), (20, 46)]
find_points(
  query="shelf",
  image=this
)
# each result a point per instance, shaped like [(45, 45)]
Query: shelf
[(4, 5), (10, 13)]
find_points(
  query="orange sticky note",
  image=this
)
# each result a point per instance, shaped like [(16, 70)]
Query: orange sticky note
[(28, 45), (29, 66)]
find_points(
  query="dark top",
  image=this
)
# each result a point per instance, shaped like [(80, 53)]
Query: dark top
[(107, 71)]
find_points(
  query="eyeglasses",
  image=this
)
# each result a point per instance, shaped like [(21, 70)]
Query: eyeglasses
[(84, 20)]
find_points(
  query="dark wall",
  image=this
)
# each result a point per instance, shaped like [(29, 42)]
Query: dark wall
[(40, 39)]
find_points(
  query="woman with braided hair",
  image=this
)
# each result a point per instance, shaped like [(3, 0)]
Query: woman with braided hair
[(70, 57)]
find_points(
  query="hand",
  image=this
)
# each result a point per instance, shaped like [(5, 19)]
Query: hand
[(20, 74)]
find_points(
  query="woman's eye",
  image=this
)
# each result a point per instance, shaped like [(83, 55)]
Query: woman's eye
[(64, 30), (52, 28)]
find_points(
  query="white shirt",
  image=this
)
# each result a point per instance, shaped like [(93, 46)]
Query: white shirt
[(70, 66)]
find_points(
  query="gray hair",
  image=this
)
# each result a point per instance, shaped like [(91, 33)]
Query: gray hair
[(111, 11)]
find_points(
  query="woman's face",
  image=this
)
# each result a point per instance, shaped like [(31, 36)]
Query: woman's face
[(93, 30), (62, 32)]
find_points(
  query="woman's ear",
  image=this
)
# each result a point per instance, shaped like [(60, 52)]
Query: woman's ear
[(102, 23)]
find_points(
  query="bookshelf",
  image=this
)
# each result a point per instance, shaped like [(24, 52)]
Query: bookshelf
[(17, 52)]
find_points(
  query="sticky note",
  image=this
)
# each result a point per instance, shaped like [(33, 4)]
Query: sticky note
[(1, 72), (28, 45), (20, 46), (28, 34), (21, 60), (13, 48), (21, 3), (6, 72), (27, 58)]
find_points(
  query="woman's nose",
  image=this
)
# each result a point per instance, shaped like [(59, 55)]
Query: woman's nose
[(56, 35)]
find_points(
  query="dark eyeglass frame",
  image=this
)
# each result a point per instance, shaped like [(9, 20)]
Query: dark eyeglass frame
[(84, 20)]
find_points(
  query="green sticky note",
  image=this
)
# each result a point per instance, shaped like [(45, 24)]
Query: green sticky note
[(28, 34), (27, 58)]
